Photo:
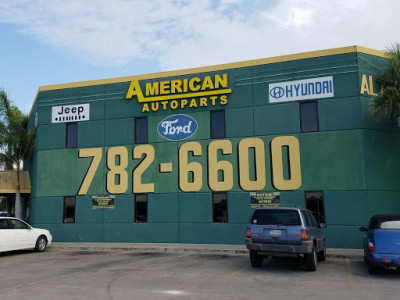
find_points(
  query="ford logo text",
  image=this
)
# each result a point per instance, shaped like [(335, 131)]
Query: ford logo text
[(177, 127)]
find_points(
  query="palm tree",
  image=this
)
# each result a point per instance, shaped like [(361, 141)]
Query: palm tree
[(16, 141), (387, 104)]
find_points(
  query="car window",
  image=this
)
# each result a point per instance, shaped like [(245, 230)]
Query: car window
[(390, 225), (306, 218), (4, 224), (16, 224), (276, 216), (313, 221)]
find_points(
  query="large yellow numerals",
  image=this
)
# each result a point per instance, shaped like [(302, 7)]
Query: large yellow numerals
[(96, 153), (138, 151), (244, 167), (117, 177), (117, 162), (214, 166), (294, 163), (251, 166), (192, 169)]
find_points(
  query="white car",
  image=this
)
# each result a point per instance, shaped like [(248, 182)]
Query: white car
[(16, 234)]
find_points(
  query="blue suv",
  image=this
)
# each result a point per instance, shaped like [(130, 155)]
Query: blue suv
[(273, 231)]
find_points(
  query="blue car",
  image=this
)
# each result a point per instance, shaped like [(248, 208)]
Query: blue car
[(382, 242)]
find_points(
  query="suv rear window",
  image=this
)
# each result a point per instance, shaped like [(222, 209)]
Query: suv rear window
[(276, 216)]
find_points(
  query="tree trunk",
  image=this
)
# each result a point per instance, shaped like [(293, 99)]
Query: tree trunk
[(18, 204), (18, 197)]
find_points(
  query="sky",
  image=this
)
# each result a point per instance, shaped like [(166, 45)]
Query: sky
[(44, 42)]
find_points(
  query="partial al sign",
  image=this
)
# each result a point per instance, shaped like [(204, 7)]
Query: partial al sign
[(177, 127), (70, 113), (314, 88)]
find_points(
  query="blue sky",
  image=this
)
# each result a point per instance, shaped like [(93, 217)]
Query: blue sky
[(47, 42)]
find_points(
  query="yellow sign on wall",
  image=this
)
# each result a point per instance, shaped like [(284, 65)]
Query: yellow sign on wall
[(181, 93)]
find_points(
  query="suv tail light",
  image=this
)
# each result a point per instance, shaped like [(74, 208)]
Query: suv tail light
[(304, 235), (248, 232), (371, 246)]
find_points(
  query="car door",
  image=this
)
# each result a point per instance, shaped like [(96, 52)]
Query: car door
[(23, 235), (314, 231), (7, 236)]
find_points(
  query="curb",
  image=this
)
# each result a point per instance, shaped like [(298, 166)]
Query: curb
[(186, 248)]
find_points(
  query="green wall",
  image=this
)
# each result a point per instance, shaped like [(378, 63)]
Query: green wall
[(352, 158)]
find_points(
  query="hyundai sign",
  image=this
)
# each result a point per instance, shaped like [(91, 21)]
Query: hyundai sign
[(177, 127), (314, 88)]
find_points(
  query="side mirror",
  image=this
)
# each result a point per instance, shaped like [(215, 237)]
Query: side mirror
[(363, 228)]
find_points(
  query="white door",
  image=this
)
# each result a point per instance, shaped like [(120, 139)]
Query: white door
[(23, 235), (7, 236)]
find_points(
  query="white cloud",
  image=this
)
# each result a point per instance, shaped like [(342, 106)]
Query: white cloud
[(184, 33)]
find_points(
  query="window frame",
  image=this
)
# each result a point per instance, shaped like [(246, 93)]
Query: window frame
[(321, 219), (68, 139), (137, 135), (65, 210), (212, 124), (215, 218), (146, 215), (302, 104)]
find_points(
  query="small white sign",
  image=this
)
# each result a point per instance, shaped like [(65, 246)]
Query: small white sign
[(313, 88), (70, 113)]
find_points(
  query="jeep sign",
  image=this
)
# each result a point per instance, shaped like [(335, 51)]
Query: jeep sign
[(70, 113)]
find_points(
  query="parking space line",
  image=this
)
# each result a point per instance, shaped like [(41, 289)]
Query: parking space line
[(238, 271), (349, 271)]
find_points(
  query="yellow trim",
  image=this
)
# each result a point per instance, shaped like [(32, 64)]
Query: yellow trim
[(13, 191), (248, 63)]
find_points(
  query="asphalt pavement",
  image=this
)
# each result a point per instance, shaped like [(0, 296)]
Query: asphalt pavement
[(185, 248)]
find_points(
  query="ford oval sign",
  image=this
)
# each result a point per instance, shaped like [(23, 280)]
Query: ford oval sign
[(177, 127)]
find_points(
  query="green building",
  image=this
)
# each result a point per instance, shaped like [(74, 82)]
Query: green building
[(185, 156)]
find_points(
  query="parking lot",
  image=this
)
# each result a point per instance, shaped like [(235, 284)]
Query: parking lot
[(71, 274)]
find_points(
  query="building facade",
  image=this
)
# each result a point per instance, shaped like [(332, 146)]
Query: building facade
[(185, 156)]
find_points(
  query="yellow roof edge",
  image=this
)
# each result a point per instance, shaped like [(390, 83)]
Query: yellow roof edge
[(234, 65)]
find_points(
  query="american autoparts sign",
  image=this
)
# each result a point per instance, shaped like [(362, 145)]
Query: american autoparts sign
[(186, 93), (314, 88)]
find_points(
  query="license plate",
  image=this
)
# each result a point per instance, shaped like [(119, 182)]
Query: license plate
[(275, 232)]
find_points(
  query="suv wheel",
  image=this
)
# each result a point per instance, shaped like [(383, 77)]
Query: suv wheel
[(321, 256), (311, 260), (255, 259)]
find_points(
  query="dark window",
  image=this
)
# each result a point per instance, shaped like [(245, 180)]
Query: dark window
[(4, 224), (306, 217), (16, 224), (309, 116), (141, 130), (315, 203), (72, 135), (69, 210), (217, 124), (312, 219), (141, 208), (276, 216), (220, 207)]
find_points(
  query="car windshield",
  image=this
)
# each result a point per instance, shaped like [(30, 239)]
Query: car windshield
[(390, 225), (276, 217)]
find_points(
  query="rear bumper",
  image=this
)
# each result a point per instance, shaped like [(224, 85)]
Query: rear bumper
[(384, 260), (303, 248)]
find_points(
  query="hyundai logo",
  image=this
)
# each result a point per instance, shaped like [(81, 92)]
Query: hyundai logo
[(177, 127), (277, 92)]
